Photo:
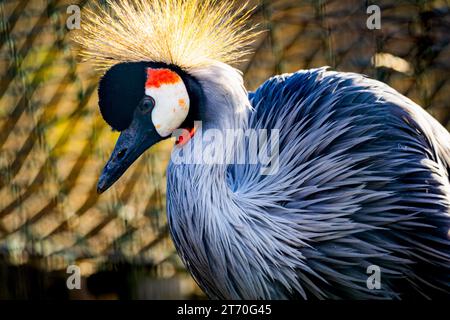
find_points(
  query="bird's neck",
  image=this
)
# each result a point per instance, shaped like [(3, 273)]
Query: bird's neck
[(226, 103), (217, 226), (202, 208), (225, 109)]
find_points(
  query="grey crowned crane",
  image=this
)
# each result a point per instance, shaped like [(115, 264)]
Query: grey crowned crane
[(363, 172)]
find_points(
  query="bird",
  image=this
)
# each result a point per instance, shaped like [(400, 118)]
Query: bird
[(362, 179)]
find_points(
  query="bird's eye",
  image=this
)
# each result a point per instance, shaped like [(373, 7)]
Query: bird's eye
[(148, 103)]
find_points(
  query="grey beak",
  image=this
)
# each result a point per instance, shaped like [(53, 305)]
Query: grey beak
[(132, 142)]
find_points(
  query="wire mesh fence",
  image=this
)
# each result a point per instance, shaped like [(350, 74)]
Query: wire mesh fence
[(53, 142)]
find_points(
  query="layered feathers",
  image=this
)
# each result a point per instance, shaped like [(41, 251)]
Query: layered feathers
[(363, 180)]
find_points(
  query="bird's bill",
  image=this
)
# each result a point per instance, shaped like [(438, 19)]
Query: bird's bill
[(132, 142)]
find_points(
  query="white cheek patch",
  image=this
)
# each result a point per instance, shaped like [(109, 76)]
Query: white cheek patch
[(171, 100)]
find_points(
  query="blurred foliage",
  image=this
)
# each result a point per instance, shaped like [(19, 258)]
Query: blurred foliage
[(53, 142)]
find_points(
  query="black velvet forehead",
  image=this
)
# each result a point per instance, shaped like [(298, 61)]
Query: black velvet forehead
[(119, 93)]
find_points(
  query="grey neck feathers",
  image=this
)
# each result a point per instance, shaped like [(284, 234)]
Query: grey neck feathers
[(227, 104), (204, 214), (226, 107), (221, 234)]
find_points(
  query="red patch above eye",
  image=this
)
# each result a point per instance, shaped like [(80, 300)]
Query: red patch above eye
[(158, 77)]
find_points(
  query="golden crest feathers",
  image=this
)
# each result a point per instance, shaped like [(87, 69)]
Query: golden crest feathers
[(186, 33)]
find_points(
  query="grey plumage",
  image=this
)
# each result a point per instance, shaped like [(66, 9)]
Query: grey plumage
[(363, 180)]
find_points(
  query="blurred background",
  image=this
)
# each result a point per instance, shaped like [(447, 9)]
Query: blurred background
[(53, 142)]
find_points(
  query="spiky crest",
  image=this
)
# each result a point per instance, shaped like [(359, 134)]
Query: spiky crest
[(185, 33)]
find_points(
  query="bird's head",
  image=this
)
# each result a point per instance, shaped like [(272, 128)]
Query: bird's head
[(146, 102), (150, 52)]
